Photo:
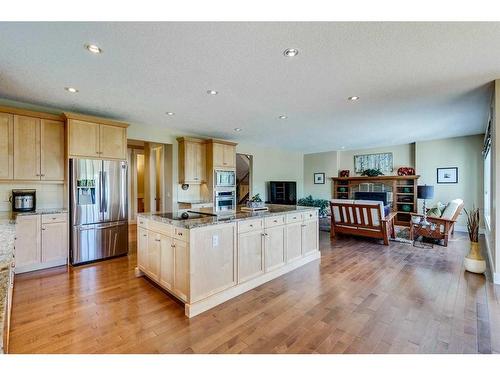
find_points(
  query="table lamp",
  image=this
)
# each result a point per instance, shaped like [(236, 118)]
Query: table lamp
[(425, 192)]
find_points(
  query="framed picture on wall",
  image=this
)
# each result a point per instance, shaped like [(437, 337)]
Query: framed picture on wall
[(447, 175), (319, 178)]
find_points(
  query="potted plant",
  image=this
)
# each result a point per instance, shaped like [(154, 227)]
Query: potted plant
[(255, 202), (322, 204), (474, 262)]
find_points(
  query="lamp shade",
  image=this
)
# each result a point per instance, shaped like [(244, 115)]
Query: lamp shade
[(425, 192)]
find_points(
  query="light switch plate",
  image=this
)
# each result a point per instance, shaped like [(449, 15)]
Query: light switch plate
[(215, 240)]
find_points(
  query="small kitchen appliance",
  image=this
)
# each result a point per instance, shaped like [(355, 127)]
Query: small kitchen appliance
[(23, 200)]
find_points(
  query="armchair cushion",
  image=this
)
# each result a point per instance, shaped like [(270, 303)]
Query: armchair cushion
[(434, 212), (451, 209)]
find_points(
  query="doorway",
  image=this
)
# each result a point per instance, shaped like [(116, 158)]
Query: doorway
[(243, 177)]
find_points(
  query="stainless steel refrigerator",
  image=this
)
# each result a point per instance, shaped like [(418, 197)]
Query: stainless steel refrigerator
[(98, 209)]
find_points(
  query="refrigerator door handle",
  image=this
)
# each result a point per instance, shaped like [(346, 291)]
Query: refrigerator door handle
[(104, 193)]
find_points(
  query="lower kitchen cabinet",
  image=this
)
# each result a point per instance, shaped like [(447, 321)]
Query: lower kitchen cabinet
[(54, 241), (154, 253), (142, 248), (274, 244), (167, 262), (309, 237), (181, 269), (293, 241), (41, 242), (250, 255)]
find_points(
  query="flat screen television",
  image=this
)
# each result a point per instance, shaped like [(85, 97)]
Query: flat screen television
[(283, 192)]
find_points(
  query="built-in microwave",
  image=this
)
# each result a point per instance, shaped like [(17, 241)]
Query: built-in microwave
[(224, 178)]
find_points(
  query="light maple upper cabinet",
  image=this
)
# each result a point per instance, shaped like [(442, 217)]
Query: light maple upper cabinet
[(6, 146), (26, 148), (93, 137), (52, 150), (192, 160), (223, 154)]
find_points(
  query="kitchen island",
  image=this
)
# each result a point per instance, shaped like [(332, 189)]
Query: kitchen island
[(7, 236), (207, 260)]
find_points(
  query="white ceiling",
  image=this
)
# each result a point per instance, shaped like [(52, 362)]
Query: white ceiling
[(416, 81)]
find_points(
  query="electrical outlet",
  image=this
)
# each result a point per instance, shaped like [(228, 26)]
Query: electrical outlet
[(215, 240)]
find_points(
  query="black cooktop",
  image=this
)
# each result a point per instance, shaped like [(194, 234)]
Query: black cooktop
[(182, 216)]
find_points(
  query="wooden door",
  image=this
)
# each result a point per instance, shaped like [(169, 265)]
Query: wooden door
[(113, 142), (26, 148), (6, 146), (309, 236), (229, 160), (250, 255), (218, 154), (293, 241), (83, 138), (142, 248), (54, 241), (181, 269), (52, 150), (167, 262), (154, 254), (27, 243), (274, 248)]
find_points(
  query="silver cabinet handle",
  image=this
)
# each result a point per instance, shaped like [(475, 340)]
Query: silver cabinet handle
[(303, 225), (43, 228), (157, 240), (144, 235)]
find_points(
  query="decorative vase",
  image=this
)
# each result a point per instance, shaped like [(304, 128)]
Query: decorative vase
[(474, 262)]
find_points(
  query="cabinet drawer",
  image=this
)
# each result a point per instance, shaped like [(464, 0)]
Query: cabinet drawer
[(310, 215), (293, 218), (181, 234), (274, 221), (162, 228), (54, 218), (143, 223), (250, 225)]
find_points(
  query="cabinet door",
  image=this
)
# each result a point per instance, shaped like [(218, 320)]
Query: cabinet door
[(52, 150), (201, 162), (154, 254), (218, 154), (54, 241), (142, 248), (6, 146), (191, 152), (181, 269), (26, 148), (274, 248), (293, 241), (229, 156), (250, 255), (113, 142), (27, 243), (83, 138), (309, 236), (167, 262)]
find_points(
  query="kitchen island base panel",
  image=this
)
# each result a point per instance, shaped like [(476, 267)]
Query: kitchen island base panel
[(208, 303)]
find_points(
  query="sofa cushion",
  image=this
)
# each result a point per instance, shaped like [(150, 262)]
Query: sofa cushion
[(451, 209), (434, 212)]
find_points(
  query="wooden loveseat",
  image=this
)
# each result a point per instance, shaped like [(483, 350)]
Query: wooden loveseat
[(361, 218)]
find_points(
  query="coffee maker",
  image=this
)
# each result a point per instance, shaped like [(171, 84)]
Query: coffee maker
[(23, 200)]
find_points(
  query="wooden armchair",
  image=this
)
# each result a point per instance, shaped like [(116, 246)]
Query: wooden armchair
[(444, 225)]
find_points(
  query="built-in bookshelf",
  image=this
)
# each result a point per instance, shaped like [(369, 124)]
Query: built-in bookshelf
[(403, 189)]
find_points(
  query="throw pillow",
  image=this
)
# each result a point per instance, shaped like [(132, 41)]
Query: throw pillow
[(434, 212), (441, 206)]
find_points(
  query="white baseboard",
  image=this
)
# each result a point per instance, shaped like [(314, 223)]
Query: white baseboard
[(463, 229)]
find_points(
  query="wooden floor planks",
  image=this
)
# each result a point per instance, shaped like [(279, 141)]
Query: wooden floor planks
[(361, 297)]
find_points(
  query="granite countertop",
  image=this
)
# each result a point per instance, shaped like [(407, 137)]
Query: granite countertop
[(7, 236), (42, 211), (226, 217)]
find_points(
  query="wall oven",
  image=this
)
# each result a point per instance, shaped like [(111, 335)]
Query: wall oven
[(225, 200), (224, 178)]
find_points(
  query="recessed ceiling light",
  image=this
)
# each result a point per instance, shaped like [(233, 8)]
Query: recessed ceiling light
[(237, 129), (283, 117), (291, 52), (71, 90), (170, 113), (212, 92), (353, 98), (93, 48)]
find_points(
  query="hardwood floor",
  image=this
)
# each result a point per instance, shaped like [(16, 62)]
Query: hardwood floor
[(361, 298)]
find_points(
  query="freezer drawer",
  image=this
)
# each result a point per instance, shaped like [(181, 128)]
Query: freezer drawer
[(98, 241)]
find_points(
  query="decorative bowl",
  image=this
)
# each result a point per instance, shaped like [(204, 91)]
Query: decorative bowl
[(251, 204)]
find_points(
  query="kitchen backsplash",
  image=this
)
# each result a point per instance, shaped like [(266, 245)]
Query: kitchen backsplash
[(47, 195)]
